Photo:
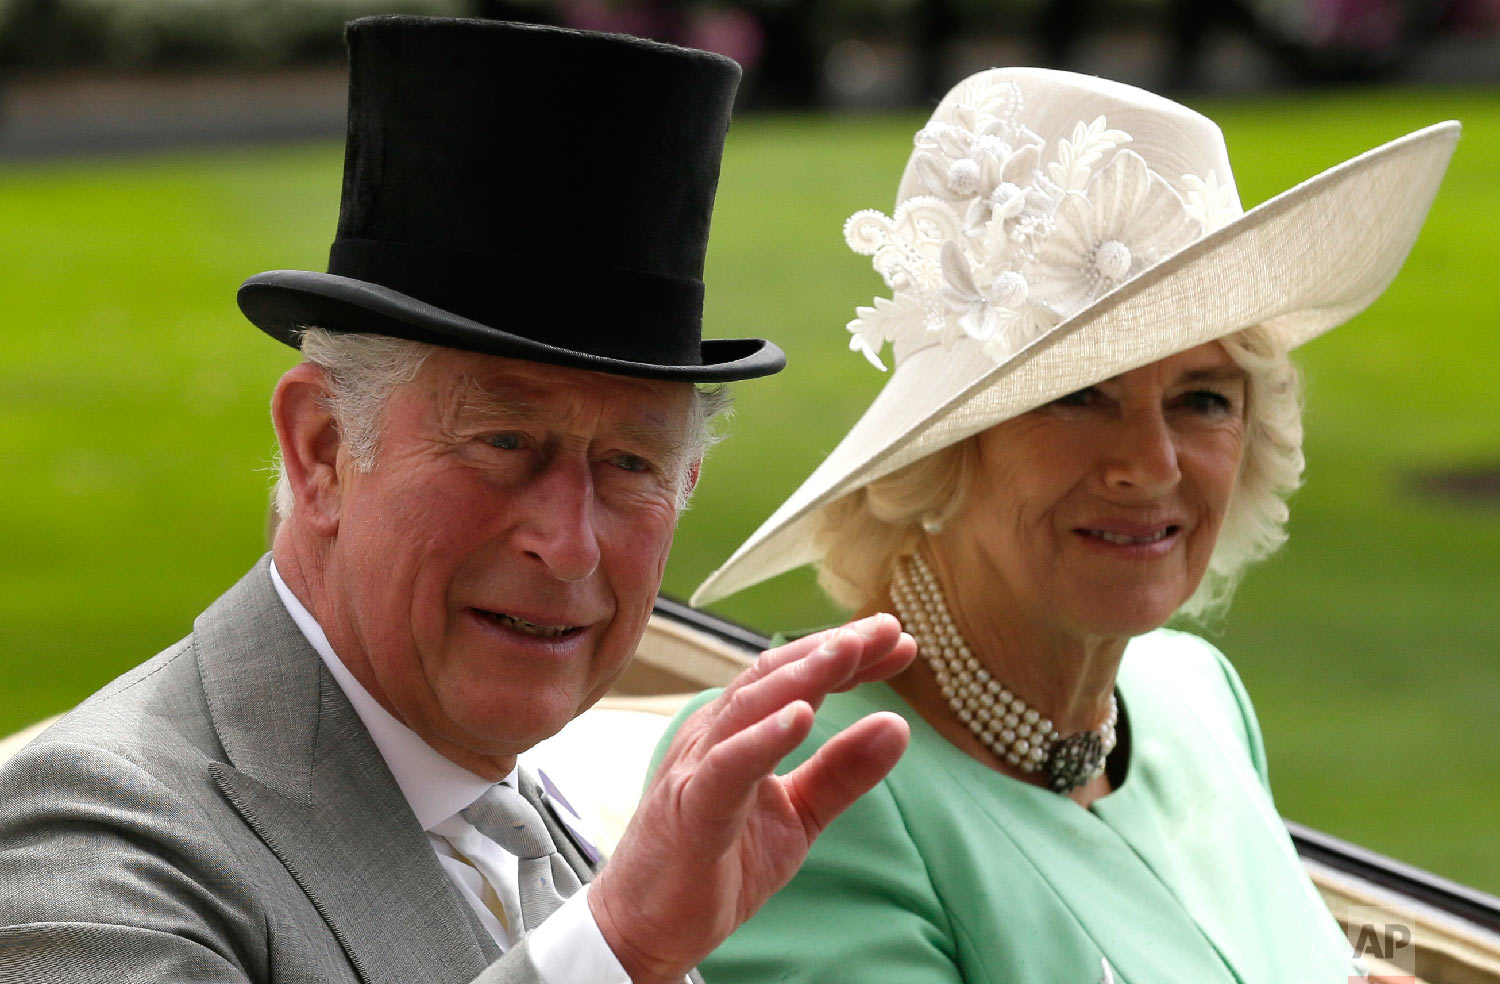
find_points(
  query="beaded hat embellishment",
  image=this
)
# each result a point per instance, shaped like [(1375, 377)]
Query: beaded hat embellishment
[(1007, 238)]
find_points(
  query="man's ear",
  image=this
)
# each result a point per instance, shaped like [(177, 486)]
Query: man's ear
[(694, 470), (309, 439)]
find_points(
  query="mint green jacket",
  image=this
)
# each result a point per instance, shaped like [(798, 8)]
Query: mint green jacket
[(949, 871)]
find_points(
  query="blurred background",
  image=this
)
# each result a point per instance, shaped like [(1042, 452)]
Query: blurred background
[(153, 153)]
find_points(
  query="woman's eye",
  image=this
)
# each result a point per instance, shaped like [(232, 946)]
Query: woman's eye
[(505, 442), (1207, 401), (1077, 398)]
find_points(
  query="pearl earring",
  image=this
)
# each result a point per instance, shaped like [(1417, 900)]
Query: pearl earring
[(932, 524)]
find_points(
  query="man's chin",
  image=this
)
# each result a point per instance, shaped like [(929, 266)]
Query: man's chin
[(504, 729)]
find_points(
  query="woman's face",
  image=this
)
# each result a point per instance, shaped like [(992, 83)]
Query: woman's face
[(1095, 515)]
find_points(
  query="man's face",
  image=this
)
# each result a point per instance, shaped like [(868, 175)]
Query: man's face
[(492, 574)]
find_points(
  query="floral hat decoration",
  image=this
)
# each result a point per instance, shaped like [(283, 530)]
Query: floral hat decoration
[(1052, 230)]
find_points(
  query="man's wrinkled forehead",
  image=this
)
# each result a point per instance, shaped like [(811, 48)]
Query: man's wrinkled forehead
[(498, 389)]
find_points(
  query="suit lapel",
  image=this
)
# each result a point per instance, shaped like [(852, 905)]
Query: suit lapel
[(305, 775)]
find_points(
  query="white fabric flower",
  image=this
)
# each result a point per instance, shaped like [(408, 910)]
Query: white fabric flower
[(1126, 219), (998, 312), (1212, 204), (985, 108), (887, 321), (976, 171), (999, 248), (1077, 155), (904, 246)]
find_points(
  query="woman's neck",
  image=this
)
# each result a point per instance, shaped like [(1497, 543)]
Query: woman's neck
[(1068, 678)]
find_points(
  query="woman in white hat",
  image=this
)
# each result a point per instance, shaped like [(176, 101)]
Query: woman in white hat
[(1091, 426)]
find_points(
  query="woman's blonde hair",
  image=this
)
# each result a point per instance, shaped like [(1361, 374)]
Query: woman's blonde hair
[(863, 534)]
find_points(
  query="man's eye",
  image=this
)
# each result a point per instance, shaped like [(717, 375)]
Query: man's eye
[(505, 442), (630, 463)]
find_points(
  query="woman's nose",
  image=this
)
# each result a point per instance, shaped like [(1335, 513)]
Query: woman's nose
[(1143, 458)]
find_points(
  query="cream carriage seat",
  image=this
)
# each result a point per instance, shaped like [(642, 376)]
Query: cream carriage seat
[(11, 744)]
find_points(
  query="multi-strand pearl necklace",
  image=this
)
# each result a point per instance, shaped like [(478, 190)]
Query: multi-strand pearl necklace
[(1006, 725)]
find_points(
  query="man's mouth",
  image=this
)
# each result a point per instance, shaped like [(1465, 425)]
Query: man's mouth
[(529, 628), (1126, 540)]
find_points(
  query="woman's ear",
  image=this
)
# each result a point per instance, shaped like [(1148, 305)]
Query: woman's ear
[(309, 439)]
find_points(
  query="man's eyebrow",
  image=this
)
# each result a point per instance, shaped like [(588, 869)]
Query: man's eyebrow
[(658, 438), (475, 403)]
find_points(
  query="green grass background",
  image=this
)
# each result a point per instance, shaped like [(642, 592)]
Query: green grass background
[(134, 438)]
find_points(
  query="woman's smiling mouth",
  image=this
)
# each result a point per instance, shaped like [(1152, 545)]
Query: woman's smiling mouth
[(1127, 540)]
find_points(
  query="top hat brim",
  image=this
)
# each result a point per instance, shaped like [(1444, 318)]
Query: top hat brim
[(283, 303), (1298, 265)]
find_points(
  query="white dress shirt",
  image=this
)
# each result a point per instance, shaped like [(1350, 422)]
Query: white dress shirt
[(568, 948)]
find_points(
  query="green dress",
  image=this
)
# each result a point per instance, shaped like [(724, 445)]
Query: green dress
[(949, 871)]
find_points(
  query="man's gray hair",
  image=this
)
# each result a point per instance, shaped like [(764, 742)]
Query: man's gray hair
[(364, 370)]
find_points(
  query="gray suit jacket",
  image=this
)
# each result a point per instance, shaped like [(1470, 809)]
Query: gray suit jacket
[(219, 813)]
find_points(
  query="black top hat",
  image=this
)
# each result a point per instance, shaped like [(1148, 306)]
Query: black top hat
[(525, 191)]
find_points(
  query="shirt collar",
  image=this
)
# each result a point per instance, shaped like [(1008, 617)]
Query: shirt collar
[(435, 787)]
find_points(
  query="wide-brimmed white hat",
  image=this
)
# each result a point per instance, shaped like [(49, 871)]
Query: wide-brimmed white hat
[(1052, 230)]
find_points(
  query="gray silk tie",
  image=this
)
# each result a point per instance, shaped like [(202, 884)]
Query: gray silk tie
[(545, 877)]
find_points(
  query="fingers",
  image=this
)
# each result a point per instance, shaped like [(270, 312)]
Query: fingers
[(878, 629), (736, 708), (782, 656), (733, 743), (809, 669), (728, 776), (717, 832), (845, 768), (898, 658)]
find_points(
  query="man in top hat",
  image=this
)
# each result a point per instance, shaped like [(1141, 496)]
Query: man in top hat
[(484, 452)]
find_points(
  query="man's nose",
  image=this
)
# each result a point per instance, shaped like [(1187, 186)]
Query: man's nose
[(1143, 458), (557, 527)]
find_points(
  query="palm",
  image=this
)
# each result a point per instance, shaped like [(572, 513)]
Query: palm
[(717, 833)]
